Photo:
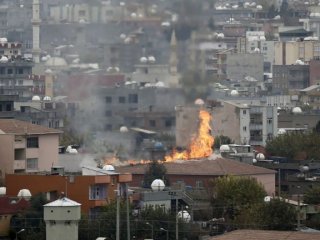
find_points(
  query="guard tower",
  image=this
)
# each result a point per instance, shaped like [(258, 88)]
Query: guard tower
[(62, 217)]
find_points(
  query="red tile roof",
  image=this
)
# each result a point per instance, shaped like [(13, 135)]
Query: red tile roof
[(12, 205), (17, 127), (217, 167), (267, 235)]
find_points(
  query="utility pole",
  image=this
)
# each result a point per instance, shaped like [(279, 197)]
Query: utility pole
[(128, 218), (177, 219), (118, 213), (299, 221)]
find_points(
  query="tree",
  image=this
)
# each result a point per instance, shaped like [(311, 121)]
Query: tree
[(156, 170), (312, 196), (272, 11), (291, 145), (276, 215), (232, 194), (32, 219), (317, 128)]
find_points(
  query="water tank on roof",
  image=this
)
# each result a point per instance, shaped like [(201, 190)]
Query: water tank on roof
[(124, 129)]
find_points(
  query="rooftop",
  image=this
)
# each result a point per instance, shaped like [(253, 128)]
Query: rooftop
[(267, 235), (62, 202), (205, 167), (17, 127)]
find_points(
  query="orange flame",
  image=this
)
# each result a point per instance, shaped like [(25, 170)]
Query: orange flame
[(201, 145)]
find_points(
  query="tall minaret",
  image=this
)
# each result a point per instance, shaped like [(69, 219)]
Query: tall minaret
[(36, 30), (173, 61)]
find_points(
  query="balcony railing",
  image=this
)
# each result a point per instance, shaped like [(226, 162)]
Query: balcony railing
[(19, 164)]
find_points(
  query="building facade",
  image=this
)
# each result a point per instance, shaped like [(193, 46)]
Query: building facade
[(27, 147)]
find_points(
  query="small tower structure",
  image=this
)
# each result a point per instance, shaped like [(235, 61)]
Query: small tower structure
[(62, 218), (36, 30), (173, 61)]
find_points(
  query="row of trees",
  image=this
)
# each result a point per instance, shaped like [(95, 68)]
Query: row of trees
[(295, 145)]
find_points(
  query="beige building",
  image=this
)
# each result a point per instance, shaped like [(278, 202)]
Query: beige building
[(287, 53), (26, 147)]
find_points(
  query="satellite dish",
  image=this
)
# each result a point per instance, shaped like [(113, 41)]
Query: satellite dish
[(157, 185)]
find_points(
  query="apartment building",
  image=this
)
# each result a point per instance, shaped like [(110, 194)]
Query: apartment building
[(287, 53), (27, 147), (93, 189), (244, 123)]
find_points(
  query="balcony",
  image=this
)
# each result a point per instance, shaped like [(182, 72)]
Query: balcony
[(255, 126), (19, 143), (19, 164), (124, 178), (102, 179)]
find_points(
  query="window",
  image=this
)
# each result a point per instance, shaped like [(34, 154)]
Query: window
[(98, 192), (108, 99), (32, 142), (199, 184), (168, 123), (152, 123), (244, 129), (8, 107), (269, 120), (122, 99), (10, 71), (82, 13), (244, 111), (133, 98), (0, 108), (20, 71), (108, 113), (32, 163), (108, 127)]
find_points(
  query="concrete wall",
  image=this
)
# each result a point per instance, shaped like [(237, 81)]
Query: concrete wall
[(240, 65), (187, 123), (226, 121), (48, 151), (6, 154)]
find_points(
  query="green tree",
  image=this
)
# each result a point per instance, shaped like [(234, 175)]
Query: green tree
[(31, 219), (293, 144), (276, 215), (155, 170), (312, 196), (232, 195)]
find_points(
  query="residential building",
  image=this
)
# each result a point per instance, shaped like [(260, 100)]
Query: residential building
[(26, 147), (314, 66), (242, 65), (255, 42), (304, 120), (312, 24), (129, 106), (290, 77), (203, 53), (287, 53), (198, 173), (244, 123), (310, 97), (93, 189)]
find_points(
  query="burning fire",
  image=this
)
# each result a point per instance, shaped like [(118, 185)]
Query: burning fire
[(201, 145)]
